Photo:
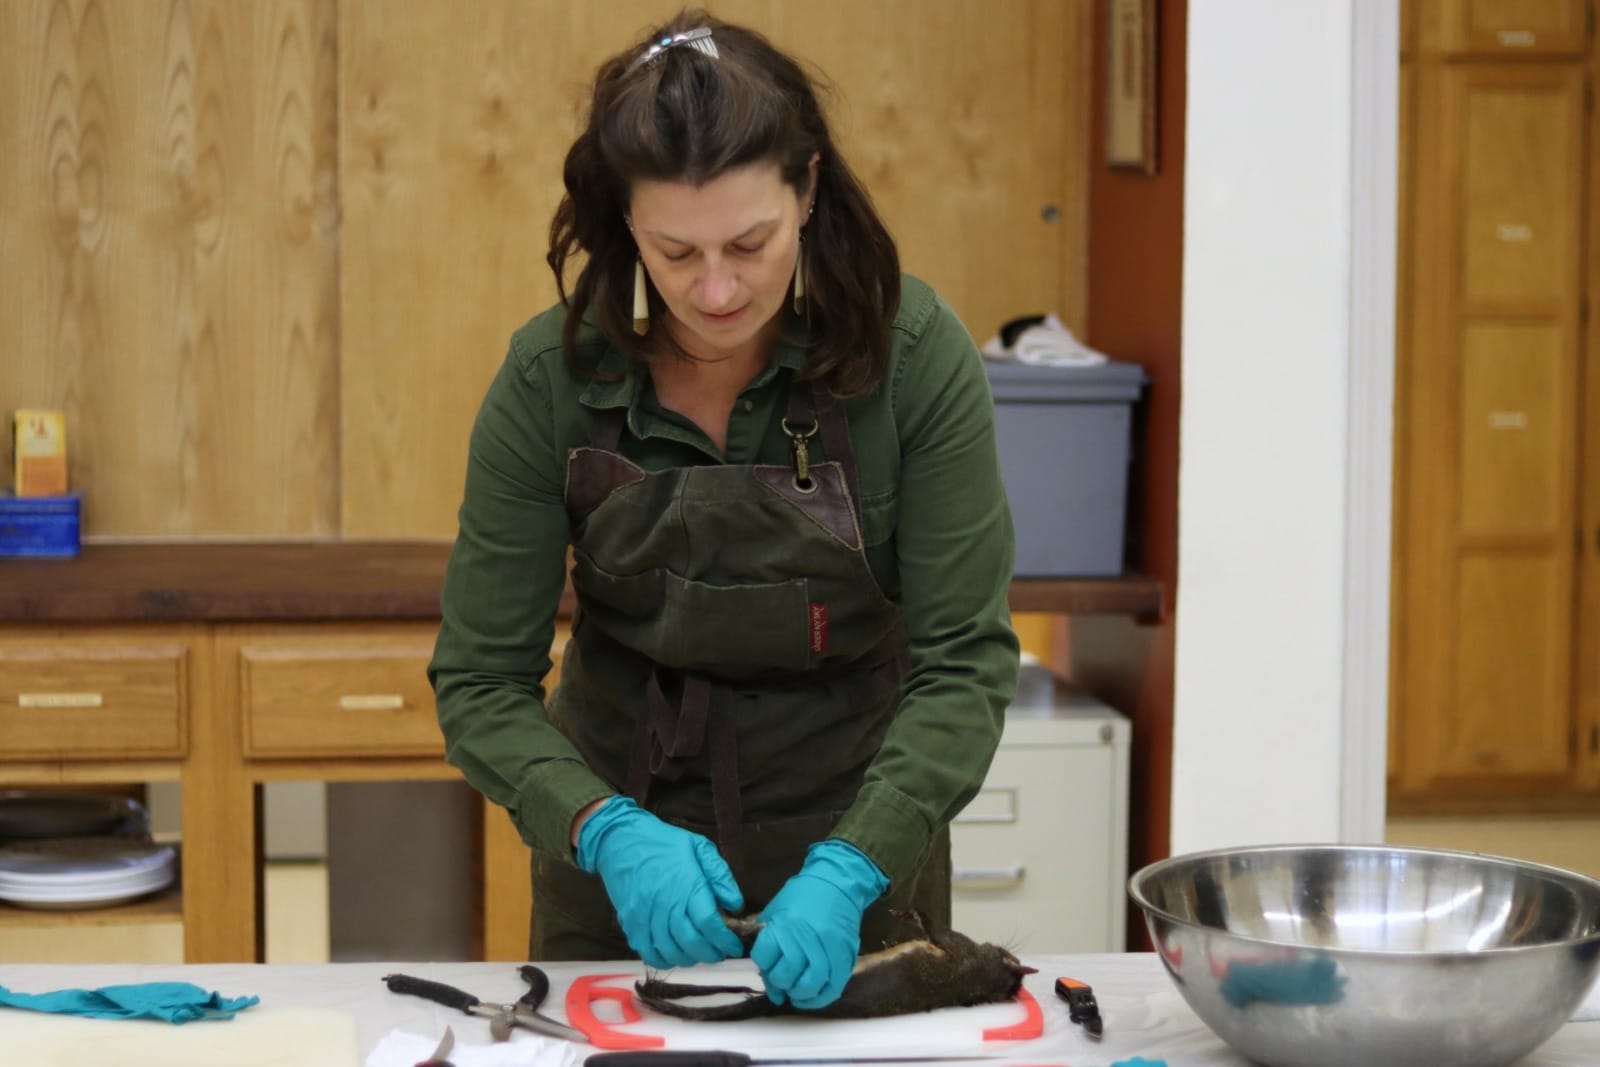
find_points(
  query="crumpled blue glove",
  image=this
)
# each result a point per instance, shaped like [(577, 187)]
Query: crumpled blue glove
[(667, 885), (811, 932), (173, 1002)]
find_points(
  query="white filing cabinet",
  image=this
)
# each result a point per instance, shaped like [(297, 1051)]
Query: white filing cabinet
[(1041, 854)]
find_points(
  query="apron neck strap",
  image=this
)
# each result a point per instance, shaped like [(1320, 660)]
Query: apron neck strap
[(607, 432), (811, 400)]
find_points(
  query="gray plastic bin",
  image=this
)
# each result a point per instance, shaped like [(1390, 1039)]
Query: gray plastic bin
[(1064, 437)]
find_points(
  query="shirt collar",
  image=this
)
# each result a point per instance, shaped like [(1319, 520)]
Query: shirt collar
[(620, 381)]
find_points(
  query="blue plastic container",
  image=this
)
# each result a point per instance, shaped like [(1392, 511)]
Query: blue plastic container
[(39, 525)]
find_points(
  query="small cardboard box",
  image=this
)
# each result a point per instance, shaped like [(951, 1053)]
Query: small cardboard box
[(39, 451), (39, 525)]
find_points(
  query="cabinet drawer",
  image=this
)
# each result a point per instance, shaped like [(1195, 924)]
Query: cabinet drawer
[(74, 698), (356, 694), (1032, 854)]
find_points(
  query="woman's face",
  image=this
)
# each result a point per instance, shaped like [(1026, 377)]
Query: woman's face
[(722, 255)]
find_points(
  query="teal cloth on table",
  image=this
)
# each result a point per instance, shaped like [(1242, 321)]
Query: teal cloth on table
[(1140, 1061), (173, 1002), (1302, 981)]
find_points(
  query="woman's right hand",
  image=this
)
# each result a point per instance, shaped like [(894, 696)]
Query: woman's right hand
[(669, 886)]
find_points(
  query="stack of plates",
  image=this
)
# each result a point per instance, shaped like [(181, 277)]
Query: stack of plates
[(83, 872)]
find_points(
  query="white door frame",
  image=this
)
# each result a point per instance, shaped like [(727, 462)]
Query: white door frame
[(1375, 166)]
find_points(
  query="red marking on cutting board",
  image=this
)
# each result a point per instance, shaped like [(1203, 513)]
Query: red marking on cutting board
[(588, 989), (1031, 1026), (580, 1013)]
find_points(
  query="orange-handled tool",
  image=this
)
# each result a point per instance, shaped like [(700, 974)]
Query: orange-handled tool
[(1081, 1006)]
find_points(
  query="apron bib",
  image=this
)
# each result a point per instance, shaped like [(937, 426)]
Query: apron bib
[(733, 666)]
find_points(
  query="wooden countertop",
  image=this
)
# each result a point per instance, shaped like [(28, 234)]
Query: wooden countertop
[(267, 581)]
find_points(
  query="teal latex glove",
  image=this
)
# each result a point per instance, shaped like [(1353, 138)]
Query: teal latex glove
[(811, 932), (173, 1002), (667, 885)]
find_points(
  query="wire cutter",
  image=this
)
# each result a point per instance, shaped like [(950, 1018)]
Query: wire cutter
[(502, 1017)]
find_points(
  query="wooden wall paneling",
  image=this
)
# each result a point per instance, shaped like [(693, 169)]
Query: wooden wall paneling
[(967, 128), (452, 123), (169, 258)]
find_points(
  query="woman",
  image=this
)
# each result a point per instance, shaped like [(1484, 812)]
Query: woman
[(773, 457)]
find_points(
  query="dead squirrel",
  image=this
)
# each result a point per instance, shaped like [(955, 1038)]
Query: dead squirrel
[(945, 970)]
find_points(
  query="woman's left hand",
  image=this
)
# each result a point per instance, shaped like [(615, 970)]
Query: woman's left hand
[(811, 932)]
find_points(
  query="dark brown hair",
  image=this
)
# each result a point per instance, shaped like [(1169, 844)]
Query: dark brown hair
[(687, 116)]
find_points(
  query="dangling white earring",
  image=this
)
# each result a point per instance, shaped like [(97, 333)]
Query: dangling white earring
[(800, 279), (641, 299)]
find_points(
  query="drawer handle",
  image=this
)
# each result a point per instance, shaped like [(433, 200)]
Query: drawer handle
[(371, 702), (59, 700), (986, 878)]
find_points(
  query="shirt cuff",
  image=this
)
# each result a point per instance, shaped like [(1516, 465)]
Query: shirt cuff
[(890, 828), (545, 813)]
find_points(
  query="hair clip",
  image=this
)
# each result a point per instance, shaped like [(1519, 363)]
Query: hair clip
[(698, 39)]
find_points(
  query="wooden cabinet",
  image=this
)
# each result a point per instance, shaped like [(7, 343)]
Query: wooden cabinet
[(1502, 28), (92, 695), (99, 705), (1493, 538), (1588, 651), (345, 690)]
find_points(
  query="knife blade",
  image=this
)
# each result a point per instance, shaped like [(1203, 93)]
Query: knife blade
[(437, 1059)]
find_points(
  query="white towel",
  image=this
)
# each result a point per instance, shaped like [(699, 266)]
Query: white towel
[(1048, 344), (400, 1049)]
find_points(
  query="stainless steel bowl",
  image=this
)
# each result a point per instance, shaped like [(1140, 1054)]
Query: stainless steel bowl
[(1350, 956)]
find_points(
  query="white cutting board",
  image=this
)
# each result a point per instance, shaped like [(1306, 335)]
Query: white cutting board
[(256, 1037), (946, 1030)]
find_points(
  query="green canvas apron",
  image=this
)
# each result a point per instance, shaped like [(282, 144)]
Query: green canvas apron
[(733, 666)]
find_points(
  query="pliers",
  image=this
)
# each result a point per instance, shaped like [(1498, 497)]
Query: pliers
[(502, 1017)]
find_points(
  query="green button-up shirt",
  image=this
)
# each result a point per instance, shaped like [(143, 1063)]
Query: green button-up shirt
[(938, 538)]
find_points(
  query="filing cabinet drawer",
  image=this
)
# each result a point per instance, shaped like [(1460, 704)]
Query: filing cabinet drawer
[(1039, 856), (338, 693), (92, 697)]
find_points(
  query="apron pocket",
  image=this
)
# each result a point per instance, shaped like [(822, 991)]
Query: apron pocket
[(689, 625), (632, 600), (750, 625)]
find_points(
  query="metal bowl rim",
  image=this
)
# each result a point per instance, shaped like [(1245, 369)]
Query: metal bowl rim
[(1559, 874)]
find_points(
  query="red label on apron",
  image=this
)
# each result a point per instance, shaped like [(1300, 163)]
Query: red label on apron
[(819, 627)]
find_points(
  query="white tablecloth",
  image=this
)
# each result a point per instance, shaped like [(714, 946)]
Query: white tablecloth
[(1143, 1012)]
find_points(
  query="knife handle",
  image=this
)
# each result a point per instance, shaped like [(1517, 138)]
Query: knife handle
[(438, 992), (538, 986), (669, 1058)]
